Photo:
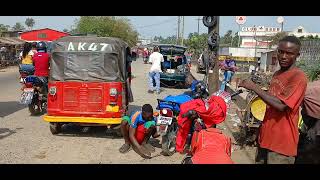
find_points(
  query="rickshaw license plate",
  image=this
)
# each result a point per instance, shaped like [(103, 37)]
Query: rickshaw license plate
[(164, 120)]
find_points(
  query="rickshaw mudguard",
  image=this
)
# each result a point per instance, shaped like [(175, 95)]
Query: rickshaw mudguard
[(89, 120)]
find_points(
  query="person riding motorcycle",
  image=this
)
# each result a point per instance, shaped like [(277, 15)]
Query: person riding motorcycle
[(41, 61)]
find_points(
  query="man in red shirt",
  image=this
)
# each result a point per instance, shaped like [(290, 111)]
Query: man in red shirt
[(41, 61), (278, 138)]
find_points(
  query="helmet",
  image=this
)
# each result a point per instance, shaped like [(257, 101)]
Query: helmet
[(41, 46), (34, 44)]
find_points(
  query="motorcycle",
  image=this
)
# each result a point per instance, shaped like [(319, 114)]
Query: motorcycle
[(169, 109), (199, 150), (34, 93)]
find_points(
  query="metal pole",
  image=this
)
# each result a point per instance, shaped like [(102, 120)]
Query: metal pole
[(239, 36), (282, 27), (182, 36), (255, 48), (198, 25), (178, 37)]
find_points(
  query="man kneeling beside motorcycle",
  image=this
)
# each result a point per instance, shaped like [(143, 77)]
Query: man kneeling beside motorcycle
[(137, 131)]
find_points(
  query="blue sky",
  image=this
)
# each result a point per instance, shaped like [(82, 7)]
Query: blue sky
[(149, 26)]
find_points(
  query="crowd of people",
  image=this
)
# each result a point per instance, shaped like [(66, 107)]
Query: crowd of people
[(280, 140)]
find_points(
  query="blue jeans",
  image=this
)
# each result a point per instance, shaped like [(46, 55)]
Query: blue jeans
[(154, 76), (27, 67), (227, 79)]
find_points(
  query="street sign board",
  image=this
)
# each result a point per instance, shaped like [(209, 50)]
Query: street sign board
[(241, 19)]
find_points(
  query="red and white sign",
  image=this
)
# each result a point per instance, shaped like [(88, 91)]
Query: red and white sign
[(241, 19)]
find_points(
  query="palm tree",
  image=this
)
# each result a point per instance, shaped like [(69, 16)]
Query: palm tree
[(30, 23), (18, 27)]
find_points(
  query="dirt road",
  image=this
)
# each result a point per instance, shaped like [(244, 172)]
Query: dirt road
[(27, 139)]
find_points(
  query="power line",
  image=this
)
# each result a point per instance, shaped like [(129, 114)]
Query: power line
[(162, 22)]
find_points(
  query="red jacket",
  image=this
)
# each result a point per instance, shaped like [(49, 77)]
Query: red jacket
[(41, 64)]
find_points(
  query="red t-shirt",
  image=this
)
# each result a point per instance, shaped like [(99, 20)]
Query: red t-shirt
[(279, 130), (41, 64)]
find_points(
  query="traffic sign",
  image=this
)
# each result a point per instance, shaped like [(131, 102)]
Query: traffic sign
[(241, 19)]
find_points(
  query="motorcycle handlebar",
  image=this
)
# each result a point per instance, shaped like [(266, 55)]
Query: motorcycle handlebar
[(236, 93)]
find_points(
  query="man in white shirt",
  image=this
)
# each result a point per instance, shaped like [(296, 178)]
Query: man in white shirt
[(154, 75)]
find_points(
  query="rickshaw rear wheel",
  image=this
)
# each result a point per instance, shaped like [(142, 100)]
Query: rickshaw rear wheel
[(55, 128)]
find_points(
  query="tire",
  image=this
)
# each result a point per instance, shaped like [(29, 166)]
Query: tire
[(169, 140), (55, 128), (209, 23), (118, 133), (33, 110), (213, 40)]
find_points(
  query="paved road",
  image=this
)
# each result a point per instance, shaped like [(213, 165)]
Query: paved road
[(27, 139)]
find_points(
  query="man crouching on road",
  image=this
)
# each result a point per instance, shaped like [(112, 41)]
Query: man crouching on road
[(137, 130), (279, 135)]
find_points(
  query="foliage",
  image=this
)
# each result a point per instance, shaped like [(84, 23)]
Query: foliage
[(107, 26), (30, 23), (4, 27), (18, 27), (312, 71)]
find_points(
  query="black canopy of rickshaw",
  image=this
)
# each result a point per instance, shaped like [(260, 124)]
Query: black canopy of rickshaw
[(170, 49)]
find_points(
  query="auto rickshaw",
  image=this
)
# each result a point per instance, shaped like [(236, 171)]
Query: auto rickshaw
[(89, 82), (175, 67)]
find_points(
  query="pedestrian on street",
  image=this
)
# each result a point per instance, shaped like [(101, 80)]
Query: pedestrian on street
[(137, 130), (309, 141), (279, 135), (229, 67), (154, 75)]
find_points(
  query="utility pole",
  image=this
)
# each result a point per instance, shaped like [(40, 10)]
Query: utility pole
[(199, 19), (178, 37), (213, 73), (182, 32)]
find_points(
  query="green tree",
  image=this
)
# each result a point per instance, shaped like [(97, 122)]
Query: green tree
[(274, 40), (4, 27), (107, 26), (30, 23), (235, 40), (18, 27), (65, 30), (227, 39), (197, 43)]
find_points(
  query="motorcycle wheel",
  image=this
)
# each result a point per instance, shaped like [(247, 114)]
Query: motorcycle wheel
[(169, 140), (55, 128), (33, 110)]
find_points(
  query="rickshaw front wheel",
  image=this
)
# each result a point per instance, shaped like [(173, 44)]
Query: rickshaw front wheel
[(55, 128)]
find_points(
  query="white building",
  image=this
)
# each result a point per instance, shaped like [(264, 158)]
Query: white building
[(301, 31), (255, 37)]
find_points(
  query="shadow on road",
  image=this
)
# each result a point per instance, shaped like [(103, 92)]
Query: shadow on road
[(5, 132), (88, 131), (10, 107)]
